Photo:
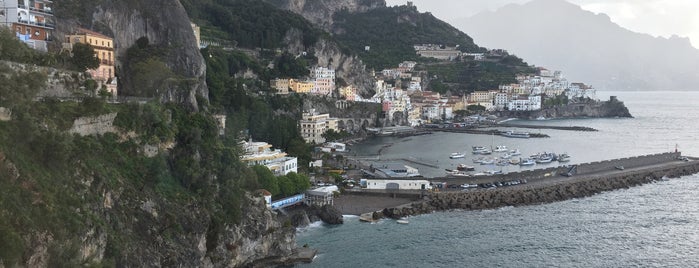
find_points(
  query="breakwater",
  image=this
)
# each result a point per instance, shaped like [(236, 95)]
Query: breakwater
[(570, 128), (538, 193)]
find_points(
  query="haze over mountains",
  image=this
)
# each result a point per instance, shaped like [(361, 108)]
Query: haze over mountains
[(587, 47)]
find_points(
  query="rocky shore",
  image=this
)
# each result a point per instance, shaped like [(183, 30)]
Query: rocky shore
[(538, 194)]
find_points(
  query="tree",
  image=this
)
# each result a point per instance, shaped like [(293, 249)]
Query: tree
[(267, 179), (84, 58), (286, 186)]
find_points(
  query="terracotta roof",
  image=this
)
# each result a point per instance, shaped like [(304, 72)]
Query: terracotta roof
[(93, 33)]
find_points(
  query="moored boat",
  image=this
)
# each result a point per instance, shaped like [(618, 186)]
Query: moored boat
[(527, 162), (464, 167), (457, 155), (514, 161), (514, 134), (500, 148)]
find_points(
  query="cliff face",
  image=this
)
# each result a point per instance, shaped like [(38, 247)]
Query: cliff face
[(320, 12), (165, 23), (347, 67)]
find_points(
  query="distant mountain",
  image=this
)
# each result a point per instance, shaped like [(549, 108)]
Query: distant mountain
[(587, 47)]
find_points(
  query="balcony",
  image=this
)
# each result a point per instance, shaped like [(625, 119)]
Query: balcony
[(50, 26), (107, 62), (46, 11)]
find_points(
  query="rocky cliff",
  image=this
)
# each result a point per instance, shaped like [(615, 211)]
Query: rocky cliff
[(582, 109), (165, 23), (320, 12), (349, 68)]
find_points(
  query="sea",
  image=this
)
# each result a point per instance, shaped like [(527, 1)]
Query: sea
[(655, 225)]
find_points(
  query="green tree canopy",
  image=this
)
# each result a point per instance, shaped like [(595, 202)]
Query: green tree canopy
[(84, 58), (267, 179)]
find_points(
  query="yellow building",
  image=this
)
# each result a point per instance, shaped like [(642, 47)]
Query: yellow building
[(281, 85), (301, 87), (104, 50)]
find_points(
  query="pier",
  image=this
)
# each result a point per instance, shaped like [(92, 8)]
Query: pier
[(544, 185), (570, 128)]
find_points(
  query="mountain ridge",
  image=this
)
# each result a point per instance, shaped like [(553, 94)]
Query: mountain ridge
[(595, 49)]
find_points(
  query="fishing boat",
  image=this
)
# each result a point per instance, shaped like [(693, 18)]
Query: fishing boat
[(457, 155), (464, 167), (502, 162), (515, 152), (514, 161)]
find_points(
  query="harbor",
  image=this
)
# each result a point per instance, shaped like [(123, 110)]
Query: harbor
[(526, 187)]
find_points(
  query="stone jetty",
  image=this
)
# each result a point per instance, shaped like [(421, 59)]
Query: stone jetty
[(554, 188)]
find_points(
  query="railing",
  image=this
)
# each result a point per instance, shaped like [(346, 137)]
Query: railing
[(41, 24), (44, 10)]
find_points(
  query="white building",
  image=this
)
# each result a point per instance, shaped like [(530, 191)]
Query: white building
[(525, 103), (261, 153), (388, 184), (396, 171), (502, 100)]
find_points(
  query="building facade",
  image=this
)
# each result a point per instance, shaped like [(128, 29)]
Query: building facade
[(314, 125), (104, 51), (31, 20)]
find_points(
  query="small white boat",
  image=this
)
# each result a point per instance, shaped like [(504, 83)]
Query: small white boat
[(506, 156), (402, 221), (515, 152), (514, 161), (544, 160), (563, 158), (527, 162), (478, 149), (457, 155), (488, 161), (500, 148)]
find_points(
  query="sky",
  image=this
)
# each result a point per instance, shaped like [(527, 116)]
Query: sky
[(655, 17)]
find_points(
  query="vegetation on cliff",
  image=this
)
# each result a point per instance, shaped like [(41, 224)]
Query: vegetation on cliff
[(391, 33), (250, 23)]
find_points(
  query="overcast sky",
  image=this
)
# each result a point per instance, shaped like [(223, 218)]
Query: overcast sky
[(654, 17)]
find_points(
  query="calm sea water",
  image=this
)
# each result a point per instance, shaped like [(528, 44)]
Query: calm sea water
[(655, 225)]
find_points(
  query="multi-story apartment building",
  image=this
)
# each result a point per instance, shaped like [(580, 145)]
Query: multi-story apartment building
[(313, 125), (31, 20), (104, 51)]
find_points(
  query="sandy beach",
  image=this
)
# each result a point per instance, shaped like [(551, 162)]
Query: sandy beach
[(357, 204)]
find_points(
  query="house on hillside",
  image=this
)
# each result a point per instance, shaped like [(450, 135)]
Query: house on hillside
[(104, 51)]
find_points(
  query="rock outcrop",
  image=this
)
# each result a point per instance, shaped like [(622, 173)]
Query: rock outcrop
[(584, 109), (348, 68), (165, 23)]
